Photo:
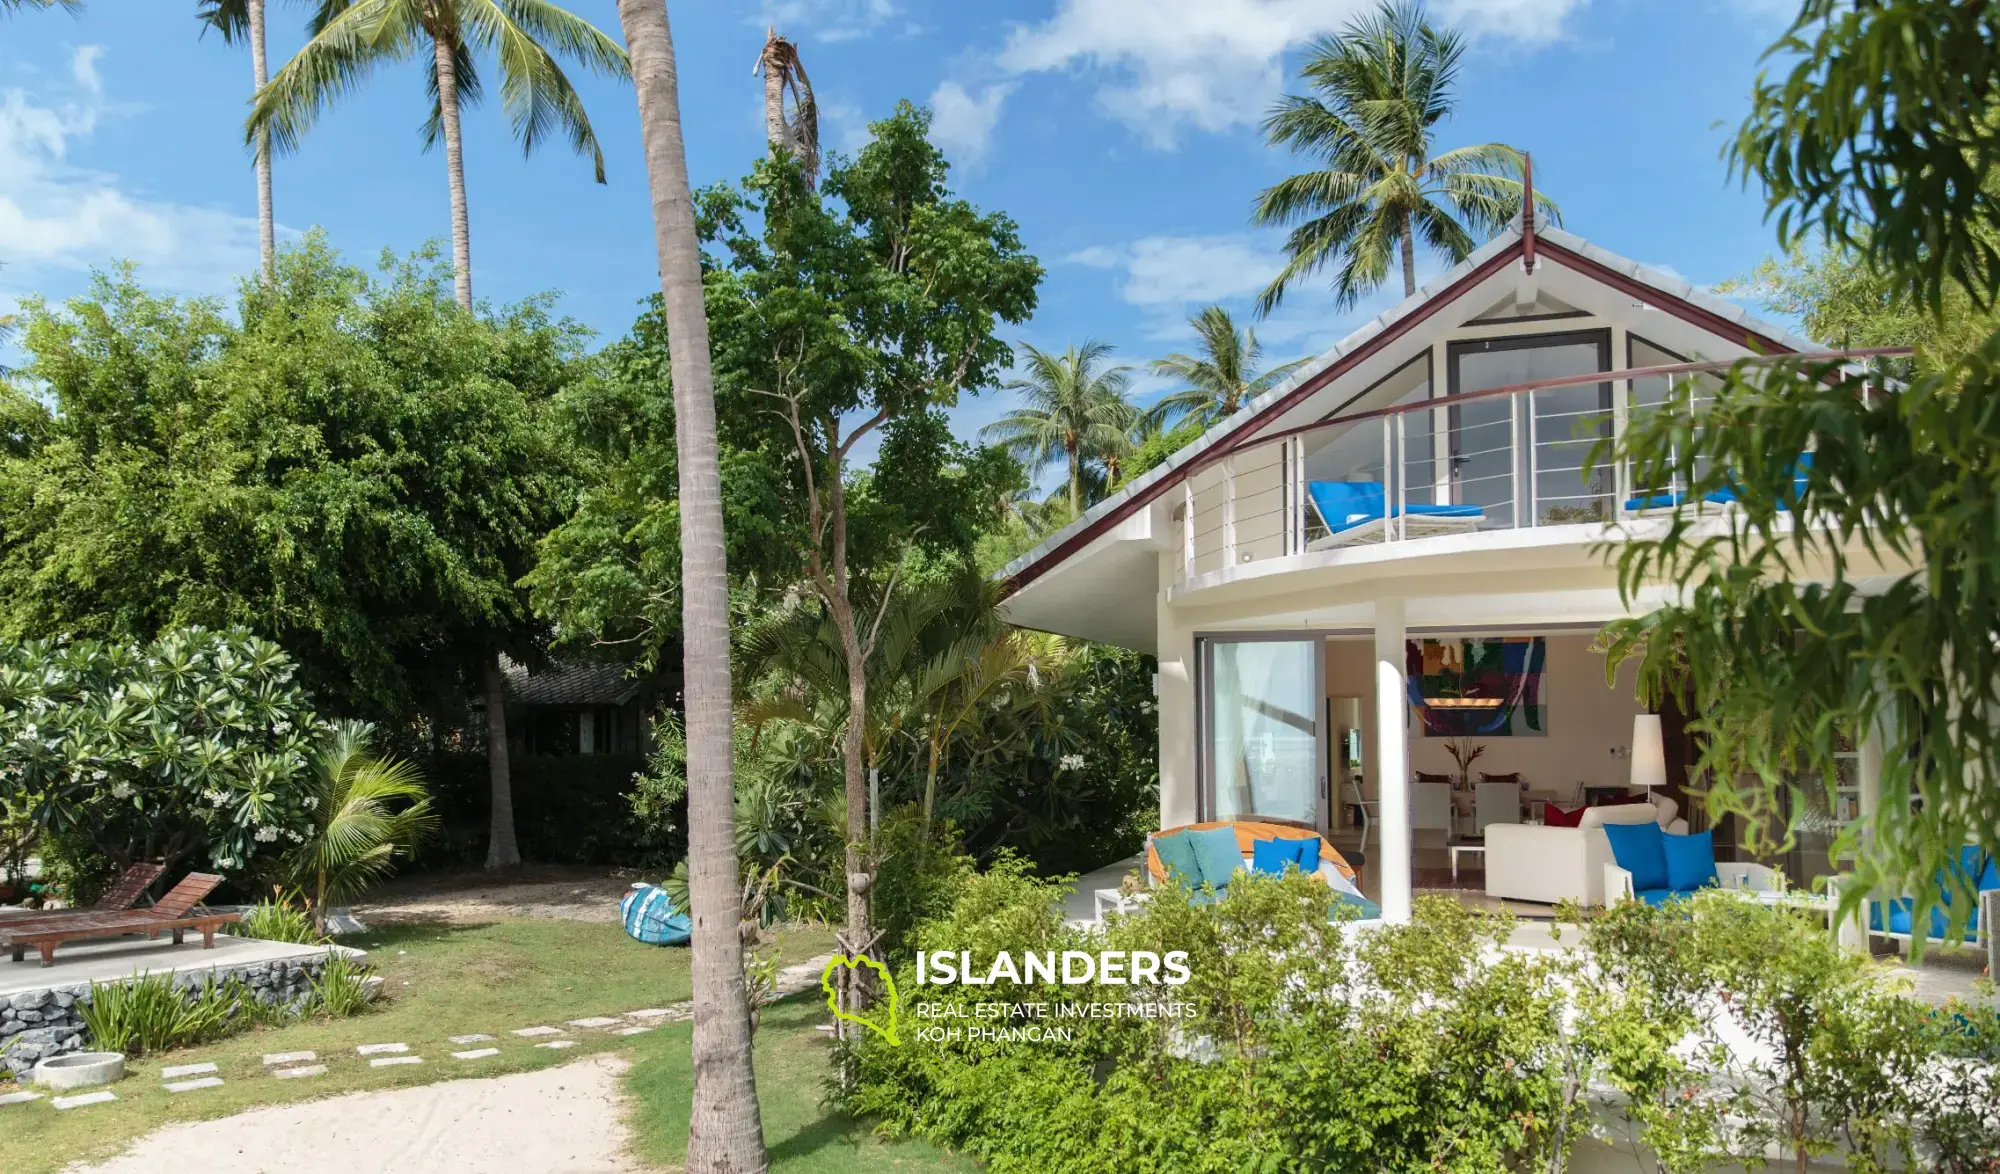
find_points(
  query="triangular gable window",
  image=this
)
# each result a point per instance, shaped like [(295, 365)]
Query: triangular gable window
[(1544, 306)]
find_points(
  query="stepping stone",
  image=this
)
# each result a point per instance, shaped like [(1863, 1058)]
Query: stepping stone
[(272, 1059), (648, 1013), (89, 1098), (595, 1021), (379, 1049), (295, 1073), (635, 1031), (180, 1070), (558, 1043), (532, 1031), (191, 1085), (470, 1039), (391, 1061), (476, 1054), (20, 1098)]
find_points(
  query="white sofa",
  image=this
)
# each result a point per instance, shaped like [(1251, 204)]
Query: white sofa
[(1548, 864)]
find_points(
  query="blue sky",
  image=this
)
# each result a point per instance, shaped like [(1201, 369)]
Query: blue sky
[(1121, 134)]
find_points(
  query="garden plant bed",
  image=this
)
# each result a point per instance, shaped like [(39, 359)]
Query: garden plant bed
[(441, 980)]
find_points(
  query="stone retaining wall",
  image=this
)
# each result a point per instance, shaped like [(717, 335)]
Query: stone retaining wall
[(38, 1024)]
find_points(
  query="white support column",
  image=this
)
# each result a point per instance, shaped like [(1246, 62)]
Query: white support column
[(1179, 781), (1392, 759)]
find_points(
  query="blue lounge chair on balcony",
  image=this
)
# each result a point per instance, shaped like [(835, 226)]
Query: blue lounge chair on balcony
[(1724, 496), (1358, 511)]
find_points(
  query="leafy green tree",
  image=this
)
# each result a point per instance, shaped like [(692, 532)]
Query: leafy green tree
[(351, 38), (1876, 617), (362, 813), (1218, 381), (1381, 87), (358, 471), (869, 304), (192, 746), (1075, 412)]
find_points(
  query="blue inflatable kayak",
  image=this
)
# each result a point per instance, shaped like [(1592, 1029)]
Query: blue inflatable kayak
[(651, 917)]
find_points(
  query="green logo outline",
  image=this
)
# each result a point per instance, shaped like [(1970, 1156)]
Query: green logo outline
[(888, 982)]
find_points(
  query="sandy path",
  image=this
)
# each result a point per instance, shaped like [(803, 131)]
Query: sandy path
[(564, 894), (563, 1120)]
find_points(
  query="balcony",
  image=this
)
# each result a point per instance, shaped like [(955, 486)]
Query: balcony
[(1429, 469)]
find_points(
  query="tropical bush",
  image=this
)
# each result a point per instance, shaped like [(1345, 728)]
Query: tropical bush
[(190, 748), (364, 814), (1722, 1030), (154, 1014), (279, 920)]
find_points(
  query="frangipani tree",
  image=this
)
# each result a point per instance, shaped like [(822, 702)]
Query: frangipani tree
[(194, 746)]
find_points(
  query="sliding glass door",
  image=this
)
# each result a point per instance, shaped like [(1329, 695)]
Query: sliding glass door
[(1263, 701)]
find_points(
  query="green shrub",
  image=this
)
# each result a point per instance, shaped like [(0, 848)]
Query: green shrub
[(277, 921), (341, 988), (1411, 1052), (153, 1014)]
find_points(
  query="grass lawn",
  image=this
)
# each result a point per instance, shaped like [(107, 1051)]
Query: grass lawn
[(803, 1135), (441, 980)]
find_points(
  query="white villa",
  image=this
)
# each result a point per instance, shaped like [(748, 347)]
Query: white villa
[(1401, 543)]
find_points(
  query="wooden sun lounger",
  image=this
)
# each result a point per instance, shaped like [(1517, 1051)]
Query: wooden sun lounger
[(173, 912), (117, 898)]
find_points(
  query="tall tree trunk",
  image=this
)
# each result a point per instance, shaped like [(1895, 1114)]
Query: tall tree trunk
[(454, 162), (725, 1130), (774, 104), (1075, 483), (860, 866), (1409, 259), (266, 223), (501, 849)]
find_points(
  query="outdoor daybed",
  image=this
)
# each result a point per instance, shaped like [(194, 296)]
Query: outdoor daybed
[(172, 913), (1354, 512), (1202, 854)]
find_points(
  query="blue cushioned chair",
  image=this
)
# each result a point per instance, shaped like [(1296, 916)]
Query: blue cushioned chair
[(1895, 919), (1358, 511)]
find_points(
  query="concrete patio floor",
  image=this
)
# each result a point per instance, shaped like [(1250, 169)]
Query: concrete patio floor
[(80, 963)]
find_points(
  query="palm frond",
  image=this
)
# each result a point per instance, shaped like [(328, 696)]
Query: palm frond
[(356, 38), (536, 94)]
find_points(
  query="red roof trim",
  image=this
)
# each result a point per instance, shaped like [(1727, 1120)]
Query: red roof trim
[(1678, 307)]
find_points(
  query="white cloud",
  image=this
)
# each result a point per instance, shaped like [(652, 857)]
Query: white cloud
[(1216, 64), (826, 20), (1175, 271), (962, 124), (56, 217)]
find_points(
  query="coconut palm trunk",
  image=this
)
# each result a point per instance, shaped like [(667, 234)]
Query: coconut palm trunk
[(725, 1130), (267, 246), (502, 850), (454, 162), (1409, 259)]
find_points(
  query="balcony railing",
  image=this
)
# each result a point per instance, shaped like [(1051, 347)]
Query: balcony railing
[(1529, 455)]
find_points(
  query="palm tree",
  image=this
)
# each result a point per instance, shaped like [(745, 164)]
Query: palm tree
[(1381, 87), (1075, 412), (1222, 379), (245, 19), (352, 37), (784, 73), (366, 812), (725, 1130)]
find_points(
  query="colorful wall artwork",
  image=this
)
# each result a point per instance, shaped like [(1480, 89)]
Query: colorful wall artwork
[(1489, 688)]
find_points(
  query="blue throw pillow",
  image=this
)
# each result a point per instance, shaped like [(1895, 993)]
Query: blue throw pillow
[(1640, 849), (1690, 861), (1215, 851), (1273, 856), (1308, 850), (1176, 853)]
